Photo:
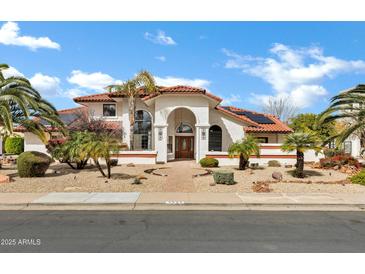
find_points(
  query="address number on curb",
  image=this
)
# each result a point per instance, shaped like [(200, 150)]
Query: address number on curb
[(174, 202)]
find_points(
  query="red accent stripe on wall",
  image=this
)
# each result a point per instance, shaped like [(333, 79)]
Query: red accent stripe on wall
[(270, 147), (254, 156), (134, 155)]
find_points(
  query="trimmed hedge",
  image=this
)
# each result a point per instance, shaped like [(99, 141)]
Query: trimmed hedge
[(224, 177), (209, 162), (359, 178), (273, 163), (33, 164), (14, 145)]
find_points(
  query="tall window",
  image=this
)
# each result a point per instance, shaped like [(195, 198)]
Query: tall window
[(142, 130), (215, 138), (109, 110)]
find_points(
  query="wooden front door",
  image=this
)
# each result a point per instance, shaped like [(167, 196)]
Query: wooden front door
[(184, 147)]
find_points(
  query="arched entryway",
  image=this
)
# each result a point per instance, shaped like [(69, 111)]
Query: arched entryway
[(181, 134)]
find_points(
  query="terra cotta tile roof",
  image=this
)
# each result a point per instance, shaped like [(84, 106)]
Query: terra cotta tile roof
[(108, 96), (276, 127)]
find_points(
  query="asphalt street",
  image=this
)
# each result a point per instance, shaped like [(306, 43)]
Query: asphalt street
[(181, 231)]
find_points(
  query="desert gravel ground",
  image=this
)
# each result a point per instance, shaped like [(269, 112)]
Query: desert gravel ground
[(246, 178), (61, 178), (87, 180)]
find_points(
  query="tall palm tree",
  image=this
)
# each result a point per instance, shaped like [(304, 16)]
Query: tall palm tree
[(349, 109), (132, 88), (244, 148), (20, 103), (301, 142)]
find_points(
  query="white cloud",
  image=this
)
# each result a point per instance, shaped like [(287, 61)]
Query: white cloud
[(75, 92), (160, 38), (296, 73), (233, 98), (161, 58), (10, 35), (174, 81), (94, 80), (48, 86), (11, 71)]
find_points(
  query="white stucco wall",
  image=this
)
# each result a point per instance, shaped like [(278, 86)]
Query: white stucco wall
[(232, 129), (33, 143)]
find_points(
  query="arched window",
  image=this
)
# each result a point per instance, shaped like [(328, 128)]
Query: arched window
[(215, 138), (142, 130), (184, 128)]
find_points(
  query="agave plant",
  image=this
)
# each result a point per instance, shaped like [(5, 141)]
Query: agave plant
[(244, 149), (131, 88)]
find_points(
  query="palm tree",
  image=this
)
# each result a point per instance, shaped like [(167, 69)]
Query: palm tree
[(20, 103), (132, 88), (244, 148), (301, 142), (349, 109), (101, 146)]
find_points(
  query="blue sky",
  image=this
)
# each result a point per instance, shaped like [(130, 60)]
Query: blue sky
[(244, 62)]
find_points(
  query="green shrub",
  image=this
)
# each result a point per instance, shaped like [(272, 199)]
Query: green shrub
[(359, 178), (273, 163), (33, 164), (224, 177), (14, 145), (209, 162)]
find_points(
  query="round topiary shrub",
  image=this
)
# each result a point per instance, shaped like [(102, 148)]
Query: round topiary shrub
[(209, 162), (33, 164), (14, 145), (223, 177), (273, 163)]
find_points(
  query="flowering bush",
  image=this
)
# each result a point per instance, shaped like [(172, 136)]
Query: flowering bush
[(340, 160)]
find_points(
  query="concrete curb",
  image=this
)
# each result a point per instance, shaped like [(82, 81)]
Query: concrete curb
[(185, 206)]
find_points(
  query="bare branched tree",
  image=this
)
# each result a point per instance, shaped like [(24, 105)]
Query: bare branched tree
[(280, 107)]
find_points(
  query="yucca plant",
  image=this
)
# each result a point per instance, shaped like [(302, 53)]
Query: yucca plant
[(301, 142), (348, 108), (244, 149), (20, 104), (132, 88)]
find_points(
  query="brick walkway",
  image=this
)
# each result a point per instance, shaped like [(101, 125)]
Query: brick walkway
[(180, 176)]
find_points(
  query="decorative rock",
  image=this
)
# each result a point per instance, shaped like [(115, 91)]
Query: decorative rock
[(336, 167), (130, 165), (277, 175), (136, 181), (288, 166), (212, 183), (142, 177), (4, 179)]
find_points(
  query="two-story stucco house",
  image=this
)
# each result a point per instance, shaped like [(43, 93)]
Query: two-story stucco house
[(182, 122)]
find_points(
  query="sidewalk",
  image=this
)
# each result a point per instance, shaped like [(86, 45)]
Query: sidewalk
[(181, 201)]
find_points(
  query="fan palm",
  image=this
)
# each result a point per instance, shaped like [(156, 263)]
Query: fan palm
[(301, 142), (348, 108), (131, 88), (20, 103), (244, 149)]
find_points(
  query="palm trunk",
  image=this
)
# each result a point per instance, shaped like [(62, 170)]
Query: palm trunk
[(132, 110), (243, 162), (108, 166), (99, 167), (300, 165)]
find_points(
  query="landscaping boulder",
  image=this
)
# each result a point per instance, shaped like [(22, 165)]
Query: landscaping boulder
[(223, 177), (130, 165), (4, 179), (277, 175), (288, 166)]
